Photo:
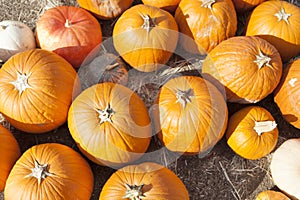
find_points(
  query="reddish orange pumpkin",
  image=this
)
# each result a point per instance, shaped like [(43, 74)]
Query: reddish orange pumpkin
[(36, 90), (70, 32), (110, 124), (145, 37), (247, 68), (205, 23), (168, 5), (287, 94), (190, 116), (50, 171), (245, 5), (107, 9), (144, 181), (278, 22), (10, 152), (252, 132)]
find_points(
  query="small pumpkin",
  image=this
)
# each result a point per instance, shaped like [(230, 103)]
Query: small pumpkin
[(107, 9), (168, 5), (205, 23), (36, 90), (245, 5), (50, 171), (103, 68), (69, 31), (277, 22), (285, 166), (190, 115), (145, 37), (248, 68), (252, 132), (10, 152), (110, 124), (271, 195), (147, 180), (287, 94), (15, 36)]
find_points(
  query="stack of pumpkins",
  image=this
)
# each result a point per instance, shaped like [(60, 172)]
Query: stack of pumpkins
[(40, 90)]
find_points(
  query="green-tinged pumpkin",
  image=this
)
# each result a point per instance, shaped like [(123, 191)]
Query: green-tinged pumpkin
[(145, 37), (110, 124), (50, 171), (190, 115), (252, 132), (36, 90), (144, 181), (248, 68)]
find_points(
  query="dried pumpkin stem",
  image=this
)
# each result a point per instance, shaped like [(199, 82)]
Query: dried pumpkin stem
[(149, 23), (39, 172), (208, 3), (262, 60), (21, 84), (106, 114), (2, 27), (264, 126), (184, 97), (68, 23), (134, 192), (282, 15)]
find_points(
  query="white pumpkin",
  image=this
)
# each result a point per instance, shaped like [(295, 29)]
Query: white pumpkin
[(285, 167), (15, 37)]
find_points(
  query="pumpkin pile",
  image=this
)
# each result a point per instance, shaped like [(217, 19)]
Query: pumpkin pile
[(61, 74)]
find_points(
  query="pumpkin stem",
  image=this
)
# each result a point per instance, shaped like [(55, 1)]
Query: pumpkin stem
[(282, 15), (265, 126), (134, 192), (39, 172), (68, 23), (208, 3), (21, 84), (184, 97), (2, 27), (106, 114), (111, 66), (262, 59), (149, 22)]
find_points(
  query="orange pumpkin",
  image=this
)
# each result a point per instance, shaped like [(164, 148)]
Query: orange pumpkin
[(271, 195), (248, 68), (245, 5), (108, 9), (205, 23), (70, 32), (278, 22), (50, 171), (287, 94), (145, 37), (252, 132), (144, 181), (110, 124), (36, 90), (10, 152), (168, 5), (190, 115)]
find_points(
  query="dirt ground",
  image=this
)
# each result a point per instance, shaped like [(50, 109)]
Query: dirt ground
[(220, 175)]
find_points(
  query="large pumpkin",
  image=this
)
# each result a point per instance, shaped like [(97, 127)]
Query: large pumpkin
[(107, 9), (36, 90), (168, 5), (110, 124), (190, 115), (146, 37), (144, 181), (15, 37), (50, 171), (205, 23), (287, 94), (278, 22), (285, 167), (10, 152), (252, 132), (70, 32), (248, 68)]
